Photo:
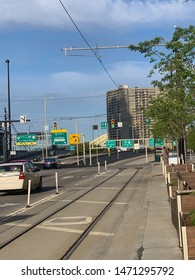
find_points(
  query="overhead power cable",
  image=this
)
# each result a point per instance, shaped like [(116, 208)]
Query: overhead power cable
[(98, 58)]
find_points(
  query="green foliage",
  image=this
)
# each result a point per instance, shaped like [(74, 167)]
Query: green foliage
[(191, 139), (174, 109)]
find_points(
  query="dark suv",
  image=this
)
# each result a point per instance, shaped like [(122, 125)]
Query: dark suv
[(51, 163)]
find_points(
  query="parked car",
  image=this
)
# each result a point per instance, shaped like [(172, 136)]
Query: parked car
[(51, 163), (16, 176)]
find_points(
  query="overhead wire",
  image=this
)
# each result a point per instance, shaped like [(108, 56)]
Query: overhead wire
[(54, 98), (159, 14), (170, 9), (98, 58)]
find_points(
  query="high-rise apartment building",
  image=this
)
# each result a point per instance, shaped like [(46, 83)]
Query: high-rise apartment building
[(125, 112)]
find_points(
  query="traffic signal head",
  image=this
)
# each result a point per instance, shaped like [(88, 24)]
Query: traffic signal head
[(112, 123), (55, 124)]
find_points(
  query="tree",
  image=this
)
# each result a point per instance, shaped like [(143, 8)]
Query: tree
[(191, 139), (173, 110)]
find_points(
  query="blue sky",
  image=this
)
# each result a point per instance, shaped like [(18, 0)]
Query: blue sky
[(32, 34)]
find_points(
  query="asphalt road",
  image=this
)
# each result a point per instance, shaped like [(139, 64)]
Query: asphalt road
[(67, 178), (11, 202)]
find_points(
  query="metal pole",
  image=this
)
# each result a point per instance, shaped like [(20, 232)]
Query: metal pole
[(9, 104), (5, 137), (90, 162), (46, 139), (77, 144), (29, 189), (42, 137), (84, 158), (98, 168), (106, 166), (56, 176), (146, 148)]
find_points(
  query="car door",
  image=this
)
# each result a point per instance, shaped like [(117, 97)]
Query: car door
[(30, 174)]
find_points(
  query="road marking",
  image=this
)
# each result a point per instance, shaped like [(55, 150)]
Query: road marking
[(67, 177), (96, 202), (101, 202), (9, 204), (45, 227), (70, 230), (108, 188), (76, 220), (19, 225)]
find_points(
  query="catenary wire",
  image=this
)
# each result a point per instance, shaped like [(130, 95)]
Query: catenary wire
[(98, 58)]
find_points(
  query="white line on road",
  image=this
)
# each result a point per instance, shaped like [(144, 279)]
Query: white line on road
[(75, 231), (9, 204), (96, 202)]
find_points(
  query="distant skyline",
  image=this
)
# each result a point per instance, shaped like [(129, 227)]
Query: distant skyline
[(32, 34)]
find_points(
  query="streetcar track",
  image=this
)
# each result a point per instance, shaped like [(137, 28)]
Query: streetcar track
[(87, 231), (41, 220)]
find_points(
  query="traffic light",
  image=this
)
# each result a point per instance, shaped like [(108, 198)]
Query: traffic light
[(112, 123), (55, 125)]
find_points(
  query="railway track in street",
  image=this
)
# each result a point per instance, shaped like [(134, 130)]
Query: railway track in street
[(57, 233), (73, 248)]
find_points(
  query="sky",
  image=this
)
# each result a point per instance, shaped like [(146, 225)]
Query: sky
[(47, 85)]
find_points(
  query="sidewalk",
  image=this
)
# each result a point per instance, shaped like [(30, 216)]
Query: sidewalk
[(161, 240)]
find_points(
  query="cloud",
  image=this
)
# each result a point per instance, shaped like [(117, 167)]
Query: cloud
[(104, 13)]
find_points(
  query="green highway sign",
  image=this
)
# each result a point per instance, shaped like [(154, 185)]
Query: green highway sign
[(72, 147), (59, 138), (159, 142), (127, 143), (148, 121), (110, 144), (26, 140), (151, 142), (104, 125)]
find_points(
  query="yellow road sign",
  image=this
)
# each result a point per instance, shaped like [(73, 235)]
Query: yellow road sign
[(74, 138)]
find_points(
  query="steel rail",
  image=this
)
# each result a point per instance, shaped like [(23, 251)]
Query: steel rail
[(23, 232), (76, 244)]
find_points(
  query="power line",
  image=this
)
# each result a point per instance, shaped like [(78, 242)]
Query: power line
[(98, 58), (54, 99)]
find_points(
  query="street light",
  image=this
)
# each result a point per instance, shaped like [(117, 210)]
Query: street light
[(29, 128), (83, 139), (9, 105), (46, 127)]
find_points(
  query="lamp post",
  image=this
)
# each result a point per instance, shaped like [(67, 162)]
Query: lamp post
[(83, 139), (9, 105), (29, 128), (46, 127)]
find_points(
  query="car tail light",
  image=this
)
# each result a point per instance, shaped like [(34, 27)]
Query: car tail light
[(21, 175)]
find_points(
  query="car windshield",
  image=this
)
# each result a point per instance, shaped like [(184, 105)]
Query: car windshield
[(11, 168), (49, 159)]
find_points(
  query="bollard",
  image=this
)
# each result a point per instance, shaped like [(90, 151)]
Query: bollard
[(29, 189), (98, 168), (56, 175), (106, 166)]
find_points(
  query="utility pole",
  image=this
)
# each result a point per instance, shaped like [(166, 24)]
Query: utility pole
[(9, 105), (5, 137)]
